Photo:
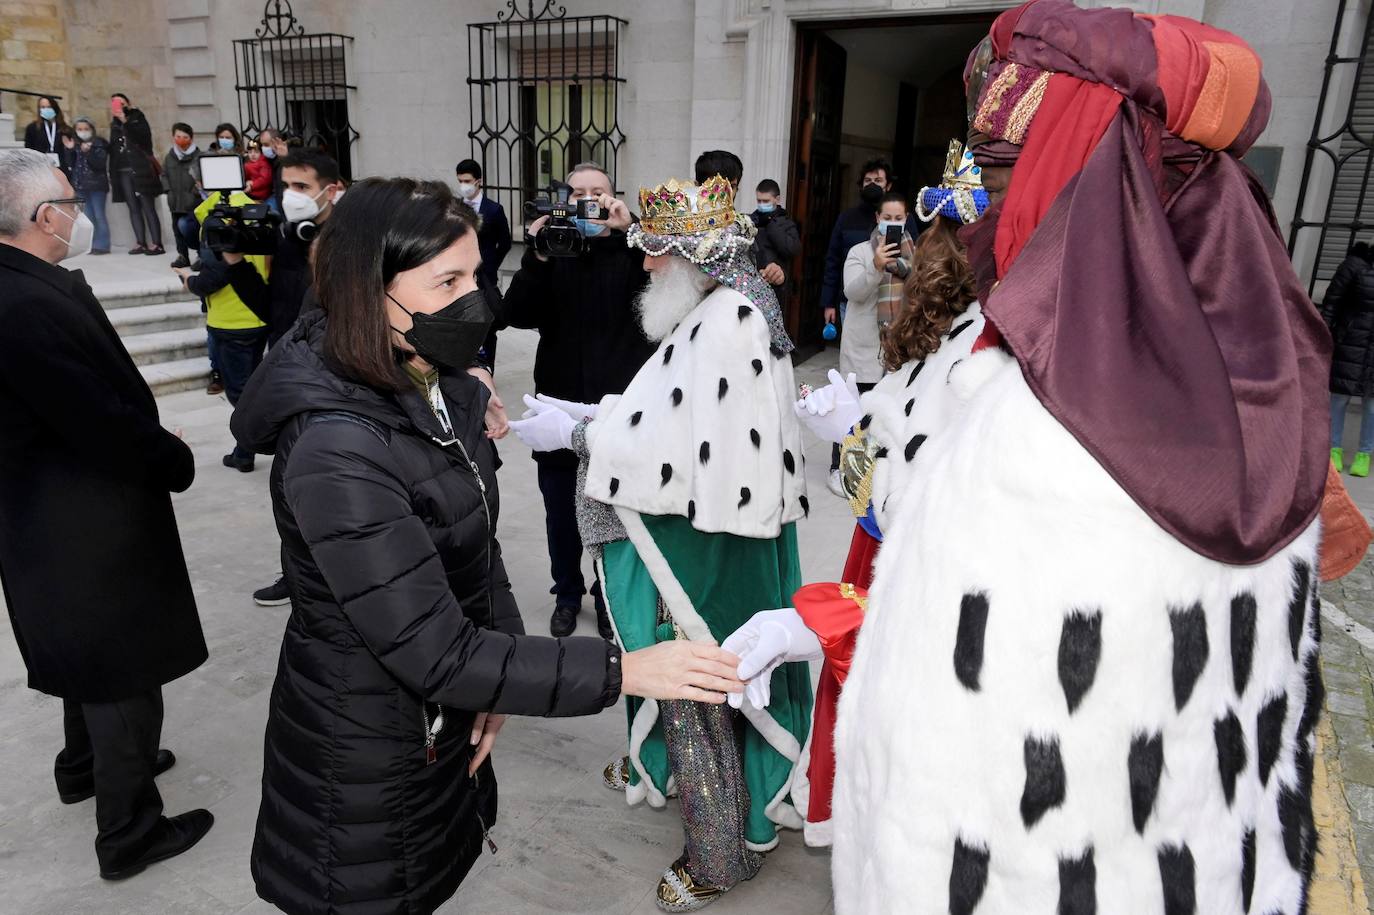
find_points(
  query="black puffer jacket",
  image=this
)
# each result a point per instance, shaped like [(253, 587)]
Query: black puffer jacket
[(1349, 312), (400, 605)]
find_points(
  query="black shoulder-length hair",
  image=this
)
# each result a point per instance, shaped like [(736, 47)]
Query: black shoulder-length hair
[(381, 227)]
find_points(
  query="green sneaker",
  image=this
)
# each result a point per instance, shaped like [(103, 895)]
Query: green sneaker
[(1360, 468), (1338, 458)]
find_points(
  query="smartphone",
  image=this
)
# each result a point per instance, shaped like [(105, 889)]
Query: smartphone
[(221, 173), (894, 236)]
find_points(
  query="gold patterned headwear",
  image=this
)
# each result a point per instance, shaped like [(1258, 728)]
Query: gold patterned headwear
[(681, 208)]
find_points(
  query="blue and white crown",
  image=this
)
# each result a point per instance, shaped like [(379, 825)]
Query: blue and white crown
[(960, 195)]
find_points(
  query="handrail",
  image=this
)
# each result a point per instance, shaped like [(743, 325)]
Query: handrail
[(4, 89)]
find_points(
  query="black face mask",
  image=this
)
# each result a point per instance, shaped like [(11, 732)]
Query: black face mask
[(871, 195), (450, 337)]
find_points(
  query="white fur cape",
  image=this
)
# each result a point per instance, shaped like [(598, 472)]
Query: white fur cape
[(1054, 706), (705, 430)]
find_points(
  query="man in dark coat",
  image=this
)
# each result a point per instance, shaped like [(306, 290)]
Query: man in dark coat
[(590, 345), (853, 226), (90, 559), (1348, 310)]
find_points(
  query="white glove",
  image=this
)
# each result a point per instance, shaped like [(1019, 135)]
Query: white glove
[(578, 411), (770, 638), (830, 412), (544, 427)]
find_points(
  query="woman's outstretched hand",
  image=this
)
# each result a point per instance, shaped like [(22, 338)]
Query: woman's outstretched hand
[(681, 670)]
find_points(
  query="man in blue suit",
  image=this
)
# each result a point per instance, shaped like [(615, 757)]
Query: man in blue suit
[(493, 232)]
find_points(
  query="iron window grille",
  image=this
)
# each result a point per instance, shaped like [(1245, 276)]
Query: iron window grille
[(544, 91)]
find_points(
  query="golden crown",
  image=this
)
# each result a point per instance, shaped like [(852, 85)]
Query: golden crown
[(959, 168), (681, 208)]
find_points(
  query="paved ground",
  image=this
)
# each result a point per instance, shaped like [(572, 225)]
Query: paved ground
[(566, 844)]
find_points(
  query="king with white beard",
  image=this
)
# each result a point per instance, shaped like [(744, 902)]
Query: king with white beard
[(694, 482)]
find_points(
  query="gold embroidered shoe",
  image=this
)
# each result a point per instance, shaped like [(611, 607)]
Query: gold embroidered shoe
[(616, 775), (678, 892)]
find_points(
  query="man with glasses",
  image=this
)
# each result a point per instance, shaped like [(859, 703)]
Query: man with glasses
[(90, 559)]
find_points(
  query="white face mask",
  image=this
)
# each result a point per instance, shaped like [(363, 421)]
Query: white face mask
[(83, 232), (467, 191), (84, 135), (298, 206)]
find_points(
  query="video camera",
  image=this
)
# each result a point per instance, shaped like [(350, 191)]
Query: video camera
[(247, 229), (560, 236)]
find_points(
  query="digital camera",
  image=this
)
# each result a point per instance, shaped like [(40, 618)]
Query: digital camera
[(247, 229), (560, 236)]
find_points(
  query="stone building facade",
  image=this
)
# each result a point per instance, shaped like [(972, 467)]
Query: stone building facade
[(697, 74)]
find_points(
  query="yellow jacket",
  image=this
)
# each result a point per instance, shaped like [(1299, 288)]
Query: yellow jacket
[(224, 310)]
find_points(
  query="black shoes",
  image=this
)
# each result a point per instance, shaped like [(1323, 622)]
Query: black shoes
[(181, 261), (564, 620), (172, 836), (274, 595), (242, 466), (196, 267), (84, 788)]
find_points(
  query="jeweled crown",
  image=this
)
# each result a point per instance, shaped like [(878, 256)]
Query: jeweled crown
[(959, 168), (682, 208)]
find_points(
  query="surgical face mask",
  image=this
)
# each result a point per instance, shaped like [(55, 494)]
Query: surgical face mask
[(84, 135), (450, 337), (298, 206), (269, 153), (182, 144), (83, 232), (886, 224), (467, 190), (872, 195), (226, 142), (47, 113), (767, 207), (588, 228)]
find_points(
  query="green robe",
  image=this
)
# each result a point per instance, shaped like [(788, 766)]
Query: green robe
[(728, 578)]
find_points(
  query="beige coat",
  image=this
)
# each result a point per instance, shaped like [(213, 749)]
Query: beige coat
[(859, 344)]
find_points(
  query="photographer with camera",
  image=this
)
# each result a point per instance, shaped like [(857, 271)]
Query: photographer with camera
[(310, 182), (233, 226), (577, 285)]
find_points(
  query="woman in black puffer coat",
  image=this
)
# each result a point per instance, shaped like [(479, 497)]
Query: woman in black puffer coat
[(1349, 312), (405, 648)]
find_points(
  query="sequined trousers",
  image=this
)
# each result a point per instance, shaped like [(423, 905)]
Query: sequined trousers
[(703, 750)]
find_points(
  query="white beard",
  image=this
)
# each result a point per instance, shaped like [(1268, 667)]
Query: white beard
[(671, 295)]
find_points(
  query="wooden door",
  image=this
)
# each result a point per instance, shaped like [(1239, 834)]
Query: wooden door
[(813, 187)]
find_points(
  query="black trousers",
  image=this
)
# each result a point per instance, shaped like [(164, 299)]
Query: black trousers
[(238, 353), (184, 243), (113, 745), (143, 216), (558, 484)]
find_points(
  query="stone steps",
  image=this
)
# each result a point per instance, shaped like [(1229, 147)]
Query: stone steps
[(147, 319), (166, 345), (177, 375)]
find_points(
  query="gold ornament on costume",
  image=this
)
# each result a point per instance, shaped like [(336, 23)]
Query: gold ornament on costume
[(858, 454), (682, 208)]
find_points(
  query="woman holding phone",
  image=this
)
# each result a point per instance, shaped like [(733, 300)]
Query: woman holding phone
[(405, 649), (134, 173)]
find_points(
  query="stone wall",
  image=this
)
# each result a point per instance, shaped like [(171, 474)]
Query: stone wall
[(33, 57)]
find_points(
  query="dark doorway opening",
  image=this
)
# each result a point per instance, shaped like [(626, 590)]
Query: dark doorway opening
[(866, 88)]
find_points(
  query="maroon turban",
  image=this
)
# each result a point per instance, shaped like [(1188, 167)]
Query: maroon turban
[(1136, 271)]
